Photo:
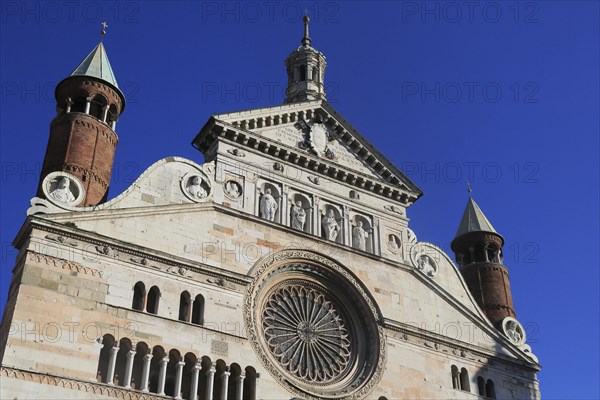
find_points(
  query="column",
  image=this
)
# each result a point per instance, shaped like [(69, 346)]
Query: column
[(210, 381), (239, 387), (376, 238), (69, 105), (284, 206), (87, 106), (146, 373), (129, 368), (195, 378), (113, 125), (104, 113), (178, 378), (162, 376), (316, 217), (112, 361), (225, 383), (346, 227), (256, 385)]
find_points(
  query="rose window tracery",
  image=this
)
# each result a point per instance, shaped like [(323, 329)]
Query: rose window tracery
[(306, 333), (314, 326)]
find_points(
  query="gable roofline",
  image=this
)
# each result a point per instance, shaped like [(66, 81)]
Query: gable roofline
[(386, 171)]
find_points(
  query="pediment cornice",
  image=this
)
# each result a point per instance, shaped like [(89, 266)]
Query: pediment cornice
[(239, 129)]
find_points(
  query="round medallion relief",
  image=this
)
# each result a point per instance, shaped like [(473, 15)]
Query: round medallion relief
[(314, 326)]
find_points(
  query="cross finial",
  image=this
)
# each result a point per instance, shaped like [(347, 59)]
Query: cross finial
[(103, 31), (306, 38), (469, 189)]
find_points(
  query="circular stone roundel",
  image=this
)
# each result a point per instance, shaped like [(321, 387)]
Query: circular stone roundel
[(314, 326)]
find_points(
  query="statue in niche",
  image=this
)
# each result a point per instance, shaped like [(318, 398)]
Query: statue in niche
[(268, 206), (359, 237), (330, 226), (195, 187), (62, 192), (298, 216)]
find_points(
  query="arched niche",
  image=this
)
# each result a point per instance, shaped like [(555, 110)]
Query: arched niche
[(362, 232), (297, 199), (266, 189), (329, 214)]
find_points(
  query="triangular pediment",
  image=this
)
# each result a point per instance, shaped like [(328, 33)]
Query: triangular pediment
[(317, 136)]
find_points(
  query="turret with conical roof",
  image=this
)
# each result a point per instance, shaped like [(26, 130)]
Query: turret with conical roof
[(82, 143), (306, 72), (478, 250)]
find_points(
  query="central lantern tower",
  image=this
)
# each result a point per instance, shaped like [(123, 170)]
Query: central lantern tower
[(306, 72)]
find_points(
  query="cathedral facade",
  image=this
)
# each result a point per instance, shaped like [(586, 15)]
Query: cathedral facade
[(282, 267)]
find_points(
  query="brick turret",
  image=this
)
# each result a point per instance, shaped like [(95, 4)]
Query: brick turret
[(82, 138), (478, 250)]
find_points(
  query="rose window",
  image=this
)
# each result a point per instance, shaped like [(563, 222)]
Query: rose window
[(306, 333), (314, 326)]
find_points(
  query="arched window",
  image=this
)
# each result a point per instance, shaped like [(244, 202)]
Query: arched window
[(184, 306), (112, 114), (302, 72), (124, 348), (158, 353), (174, 358), (198, 310), (464, 380), (79, 104), (491, 253), (186, 380), (314, 74), (206, 364), (108, 342), (250, 384), (455, 377), (97, 107), (481, 386), (139, 296), (490, 391), (236, 371), (141, 350), (220, 368), (152, 303)]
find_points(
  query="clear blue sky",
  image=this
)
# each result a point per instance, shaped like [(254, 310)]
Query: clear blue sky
[(504, 94)]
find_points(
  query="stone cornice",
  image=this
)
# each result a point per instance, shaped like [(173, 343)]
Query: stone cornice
[(115, 250), (392, 184), (439, 343), (93, 388)]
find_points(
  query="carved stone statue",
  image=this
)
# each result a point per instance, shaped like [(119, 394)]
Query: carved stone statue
[(195, 188), (359, 237), (298, 216), (62, 193), (268, 206), (330, 226)]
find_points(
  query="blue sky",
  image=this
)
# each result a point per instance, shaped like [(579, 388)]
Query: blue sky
[(503, 94)]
